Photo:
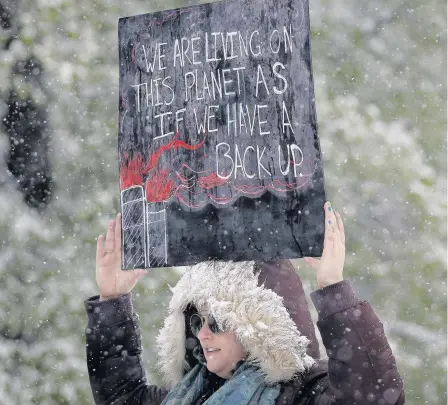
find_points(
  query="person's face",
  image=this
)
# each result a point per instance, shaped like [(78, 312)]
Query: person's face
[(222, 350)]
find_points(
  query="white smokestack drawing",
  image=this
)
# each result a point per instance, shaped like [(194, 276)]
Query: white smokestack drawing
[(156, 235), (133, 204)]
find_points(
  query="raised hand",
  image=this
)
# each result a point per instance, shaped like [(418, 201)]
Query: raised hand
[(330, 266), (112, 281)]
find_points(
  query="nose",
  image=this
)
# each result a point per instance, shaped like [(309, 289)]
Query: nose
[(204, 332)]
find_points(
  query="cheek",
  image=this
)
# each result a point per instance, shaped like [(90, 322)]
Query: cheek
[(237, 349), (233, 349)]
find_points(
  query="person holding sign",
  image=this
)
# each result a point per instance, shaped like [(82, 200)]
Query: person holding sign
[(241, 334)]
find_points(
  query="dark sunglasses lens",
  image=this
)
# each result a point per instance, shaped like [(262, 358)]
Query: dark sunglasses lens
[(195, 324), (213, 325)]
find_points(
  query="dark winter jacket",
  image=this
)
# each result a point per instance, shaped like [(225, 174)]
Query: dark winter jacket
[(360, 370)]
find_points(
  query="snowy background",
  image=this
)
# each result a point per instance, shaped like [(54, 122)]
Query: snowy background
[(380, 82)]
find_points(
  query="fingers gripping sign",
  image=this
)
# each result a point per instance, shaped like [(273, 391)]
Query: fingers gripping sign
[(330, 266), (334, 228), (112, 281), (341, 228)]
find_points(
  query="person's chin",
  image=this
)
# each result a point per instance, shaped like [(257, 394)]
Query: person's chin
[(212, 366)]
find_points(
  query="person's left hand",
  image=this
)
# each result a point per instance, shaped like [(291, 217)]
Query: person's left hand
[(330, 266)]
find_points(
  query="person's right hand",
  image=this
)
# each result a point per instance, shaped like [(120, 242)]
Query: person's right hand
[(112, 281)]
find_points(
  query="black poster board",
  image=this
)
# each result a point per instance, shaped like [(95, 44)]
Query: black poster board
[(218, 145)]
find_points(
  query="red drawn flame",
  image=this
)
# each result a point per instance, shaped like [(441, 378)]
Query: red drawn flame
[(210, 181), (130, 174), (133, 170), (174, 144), (160, 187)]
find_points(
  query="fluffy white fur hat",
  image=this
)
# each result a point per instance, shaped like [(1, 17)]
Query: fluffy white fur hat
[(230, 291)]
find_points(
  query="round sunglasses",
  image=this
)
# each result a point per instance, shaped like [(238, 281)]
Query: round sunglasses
[(197, 321)]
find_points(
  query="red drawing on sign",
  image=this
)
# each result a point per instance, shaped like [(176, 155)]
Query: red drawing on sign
[(171, 16), (195, 188), (159, 187), (174, 144), (210, 181), (130, 171)]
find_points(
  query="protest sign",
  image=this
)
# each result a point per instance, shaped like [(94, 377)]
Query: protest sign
[(218, 145)]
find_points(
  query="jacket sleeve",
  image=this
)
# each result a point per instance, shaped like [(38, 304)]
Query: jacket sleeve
[(361, 366), (114, 352)]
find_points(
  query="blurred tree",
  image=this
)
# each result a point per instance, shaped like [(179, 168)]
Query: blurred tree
[(25, 120), (380, 80)]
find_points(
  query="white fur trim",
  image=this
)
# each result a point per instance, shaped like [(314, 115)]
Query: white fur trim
[(230, 291)]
